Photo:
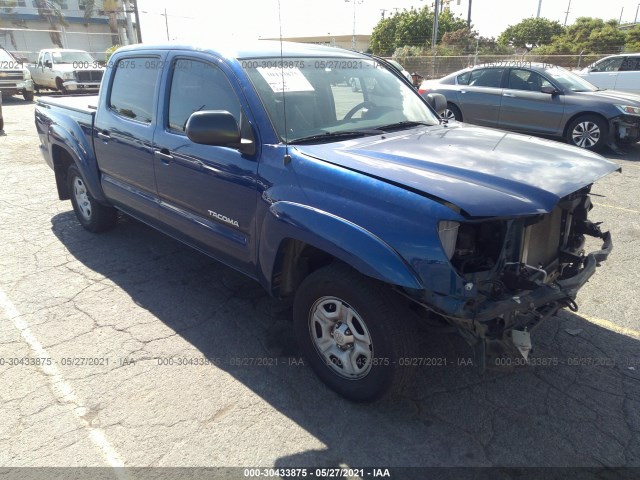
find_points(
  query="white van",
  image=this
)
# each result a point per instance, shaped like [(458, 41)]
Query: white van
[(617, 72)]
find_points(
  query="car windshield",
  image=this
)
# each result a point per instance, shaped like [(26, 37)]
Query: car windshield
[(570, 81), (72, 57), (331, 98), (6, 58)]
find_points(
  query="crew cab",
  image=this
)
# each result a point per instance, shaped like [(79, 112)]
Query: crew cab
[(366, 208), (15, 78), (68, 71)]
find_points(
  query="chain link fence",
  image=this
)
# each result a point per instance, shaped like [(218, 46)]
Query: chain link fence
[(440, 66)]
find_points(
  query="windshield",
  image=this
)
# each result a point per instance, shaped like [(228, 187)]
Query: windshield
[(6, 60), (334, 96), (72, 57), (570, 81)]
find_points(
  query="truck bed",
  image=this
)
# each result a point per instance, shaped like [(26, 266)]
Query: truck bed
[(79, 103)]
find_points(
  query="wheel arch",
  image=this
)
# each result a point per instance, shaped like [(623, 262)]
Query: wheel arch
[(296, 240), (565, 131)]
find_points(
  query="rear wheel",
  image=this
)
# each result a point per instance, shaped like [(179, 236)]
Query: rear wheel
[(587, 131), (452, 113), (92, 215), (354, 331)]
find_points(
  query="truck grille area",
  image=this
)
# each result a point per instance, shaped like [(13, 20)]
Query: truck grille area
[(87, 76), (11, 76)]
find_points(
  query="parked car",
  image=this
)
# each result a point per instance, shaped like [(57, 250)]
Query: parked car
[(540, 99), (364, 207), (15, 78), (68, 71), (616, 72)]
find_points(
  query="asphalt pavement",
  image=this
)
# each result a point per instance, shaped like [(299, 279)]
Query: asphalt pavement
[(129, 349)]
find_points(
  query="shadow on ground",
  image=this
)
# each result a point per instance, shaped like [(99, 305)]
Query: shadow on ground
[(578, 407)]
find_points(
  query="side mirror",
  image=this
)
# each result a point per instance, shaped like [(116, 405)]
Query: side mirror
[(48, 64), (437, 101), (549, 89), (219, 128)]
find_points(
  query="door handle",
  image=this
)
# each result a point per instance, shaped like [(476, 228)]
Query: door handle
[(508, 95), (104, 136), (164, 156), (463, 91)]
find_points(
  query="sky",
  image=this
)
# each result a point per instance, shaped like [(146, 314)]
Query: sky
[(214, 20)]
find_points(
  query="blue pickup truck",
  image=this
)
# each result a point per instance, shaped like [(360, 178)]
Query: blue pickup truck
[(364, 206)]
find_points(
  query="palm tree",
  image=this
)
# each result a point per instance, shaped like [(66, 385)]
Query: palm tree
[(112, 8), (7, 7), (51, 12)]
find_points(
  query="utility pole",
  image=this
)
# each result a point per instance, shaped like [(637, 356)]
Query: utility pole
[(635, 20), (166, 21), (353, 37), (539, 8), (137, 14), (382, 12), (567, 13), (434, 36), (127, 10), (469, 15), (620, 21)]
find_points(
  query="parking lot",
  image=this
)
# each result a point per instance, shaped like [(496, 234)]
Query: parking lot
[(128, 348)]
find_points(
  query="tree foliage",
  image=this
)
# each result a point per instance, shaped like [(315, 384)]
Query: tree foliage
[(411, 28), (587, 36), (632, 43), (531, 33), (51, 12)]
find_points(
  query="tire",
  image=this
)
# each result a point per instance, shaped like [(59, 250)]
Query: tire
[(92, 215), (334, 302), (588, 131), (452, 113), (60, 86), (28, 96)]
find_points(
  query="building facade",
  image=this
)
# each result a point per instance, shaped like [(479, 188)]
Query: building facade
[(27, 26)]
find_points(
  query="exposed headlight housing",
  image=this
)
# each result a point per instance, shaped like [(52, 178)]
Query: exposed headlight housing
[(629, 110), (26, 73), (68, 76), (448, 232)]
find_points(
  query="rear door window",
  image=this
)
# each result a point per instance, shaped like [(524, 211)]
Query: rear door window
[(630, 64), (609, 65), (486, 77), (134, 87)]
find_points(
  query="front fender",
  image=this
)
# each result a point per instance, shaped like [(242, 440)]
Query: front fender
[(336, 236)]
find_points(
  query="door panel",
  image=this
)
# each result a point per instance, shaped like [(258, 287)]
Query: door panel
[(525, 108), (207, 193), (480, 100), (628, 79), (124, 130)]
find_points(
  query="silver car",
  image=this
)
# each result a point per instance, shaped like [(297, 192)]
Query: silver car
[(540, 99)]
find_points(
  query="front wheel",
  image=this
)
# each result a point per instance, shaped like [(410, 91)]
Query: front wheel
[(587, 131), (354, 331), (28, 96), (92, 215)]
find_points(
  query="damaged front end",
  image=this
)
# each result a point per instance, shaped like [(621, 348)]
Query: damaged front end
[(514, 273), (625, 129)]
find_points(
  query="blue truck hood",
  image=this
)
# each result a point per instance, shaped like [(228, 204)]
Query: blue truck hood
[(484, 172)]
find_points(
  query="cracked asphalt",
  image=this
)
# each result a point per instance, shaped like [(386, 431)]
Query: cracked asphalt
[(128, 348)]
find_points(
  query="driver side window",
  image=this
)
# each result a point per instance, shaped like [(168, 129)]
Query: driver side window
[(611, 65)]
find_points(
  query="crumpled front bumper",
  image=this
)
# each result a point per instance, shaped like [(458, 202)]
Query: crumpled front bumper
[(560, 292)]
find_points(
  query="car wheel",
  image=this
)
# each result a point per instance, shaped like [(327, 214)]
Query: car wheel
[(28, 96), (92, 215), (452, 113), (588, 131), (355, 332), (60, 86)]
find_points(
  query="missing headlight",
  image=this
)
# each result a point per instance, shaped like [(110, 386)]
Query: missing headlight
[(478, 246)]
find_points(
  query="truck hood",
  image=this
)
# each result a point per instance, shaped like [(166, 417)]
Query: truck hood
[(484, 172)]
